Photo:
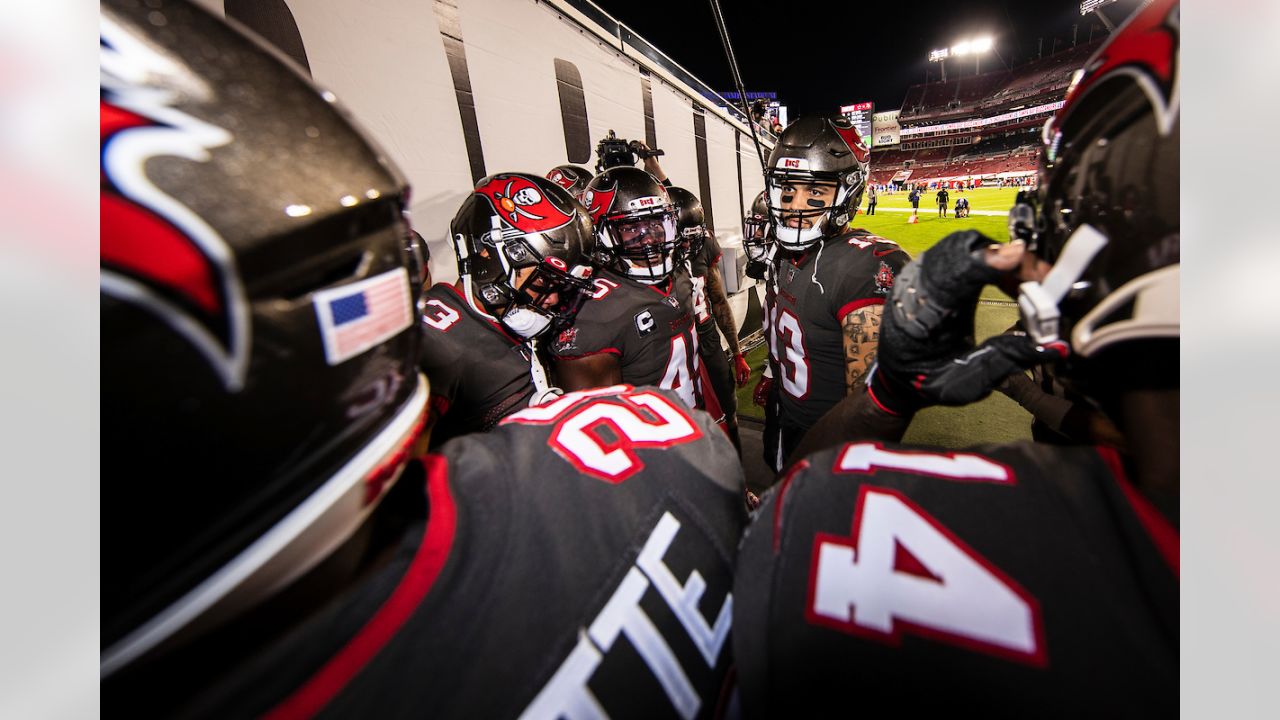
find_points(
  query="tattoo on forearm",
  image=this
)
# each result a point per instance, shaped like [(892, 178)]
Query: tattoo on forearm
[(861, 340)]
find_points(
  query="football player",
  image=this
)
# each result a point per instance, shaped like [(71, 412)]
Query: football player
[(1023, 580), (761, 248), (520, 241), (273, 544), (701, 259), (573, 178), (757, 238), (830, 283), (638, 327)]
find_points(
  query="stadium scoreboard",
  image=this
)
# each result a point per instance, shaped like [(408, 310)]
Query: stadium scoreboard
[(860, 115)]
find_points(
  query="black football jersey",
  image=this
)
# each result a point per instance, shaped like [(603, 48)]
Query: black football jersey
[(814, 293), (699, 266), (649, 328), (1019, 581), (563, 570), (479, 373)]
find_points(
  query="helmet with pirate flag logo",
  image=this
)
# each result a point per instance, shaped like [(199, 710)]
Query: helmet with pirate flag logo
[(573, 178), (260, 390), (1106, 212), (691, 221), (816, 152), (635, 224), (513, 223)]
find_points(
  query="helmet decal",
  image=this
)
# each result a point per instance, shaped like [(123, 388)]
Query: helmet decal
[(522, 205), (1145, 49), (562, 178), (155, 251), (599, 201), (854, 141)]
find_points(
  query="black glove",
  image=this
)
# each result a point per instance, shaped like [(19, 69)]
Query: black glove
[(927, 354)]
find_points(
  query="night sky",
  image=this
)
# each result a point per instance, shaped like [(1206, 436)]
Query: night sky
[(818, 56)]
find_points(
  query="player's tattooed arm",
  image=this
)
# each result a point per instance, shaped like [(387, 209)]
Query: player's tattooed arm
[(861, 330), (720, 309)]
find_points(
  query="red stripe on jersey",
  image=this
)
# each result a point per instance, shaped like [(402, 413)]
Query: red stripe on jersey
[(857, 305), (871, 394), (601, 351), (777, 505), (425, 567), (1161, 532)]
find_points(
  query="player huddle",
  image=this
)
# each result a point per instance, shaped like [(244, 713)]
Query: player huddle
[(339, 490)]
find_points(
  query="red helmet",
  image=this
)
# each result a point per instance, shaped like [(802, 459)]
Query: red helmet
[(259, 364), (1106, 212)]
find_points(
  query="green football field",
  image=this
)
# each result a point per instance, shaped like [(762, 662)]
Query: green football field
[(995, 419)]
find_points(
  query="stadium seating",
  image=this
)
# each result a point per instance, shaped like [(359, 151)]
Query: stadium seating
[(992, 91), (1010, 148)]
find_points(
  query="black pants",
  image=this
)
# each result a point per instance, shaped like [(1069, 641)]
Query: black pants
[(717, 362), (871, 208), (772, 435), (942, 210), (788, 439)]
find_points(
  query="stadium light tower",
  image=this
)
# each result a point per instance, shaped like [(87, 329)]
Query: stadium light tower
[(939, 56), (977, 47)]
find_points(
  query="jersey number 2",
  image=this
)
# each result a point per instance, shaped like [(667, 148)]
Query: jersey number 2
[(600, 438)]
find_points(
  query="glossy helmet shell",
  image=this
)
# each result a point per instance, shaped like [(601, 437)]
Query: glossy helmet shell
[(573, 178), (691, 221), (243, 232), (818, 149), (626, 194), (1106, 214), (757, 237), (513, 221)]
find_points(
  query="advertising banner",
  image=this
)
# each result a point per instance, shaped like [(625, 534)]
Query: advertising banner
[(885, 128), (981, 122)]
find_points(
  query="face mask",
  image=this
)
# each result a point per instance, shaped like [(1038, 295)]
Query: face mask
[(525, 322)]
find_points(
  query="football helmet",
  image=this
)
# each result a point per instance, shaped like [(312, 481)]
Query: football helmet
[(260, 390), (816, 151), (690, 221), (573, 178), (515, 221), (635, 224), (757, 242), (1105, 214)]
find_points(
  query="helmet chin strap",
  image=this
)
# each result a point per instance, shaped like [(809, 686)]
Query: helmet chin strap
[(1038, 301), (542, 389)]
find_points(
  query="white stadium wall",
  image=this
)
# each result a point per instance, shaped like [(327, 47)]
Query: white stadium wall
[(399, 68)]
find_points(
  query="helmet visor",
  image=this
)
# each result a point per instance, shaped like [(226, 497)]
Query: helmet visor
[(646, 241)]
